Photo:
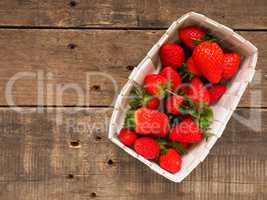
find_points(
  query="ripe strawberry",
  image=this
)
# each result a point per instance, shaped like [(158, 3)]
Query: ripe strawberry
[(171, 55), (171, 161), (155, 84), (173, 104), (208, 57), (153, 122), (127, 136), (192, 67), (189, 34), (231, 62), (152, 103), (171, 75), (187, 131), (197, 91), (216, 91), (147, 147)]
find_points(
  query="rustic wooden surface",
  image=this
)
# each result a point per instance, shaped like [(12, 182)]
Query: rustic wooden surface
[(54, 153)]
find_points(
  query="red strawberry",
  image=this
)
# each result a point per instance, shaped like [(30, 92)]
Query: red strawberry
[(171, 161), (147, 147), (171, 55), (197, 91), (230, 65), (208, 57), (216, 91), (171, 75), (189, 34), (192, 67), (149, 121), (153, 103), (187, 131), (155, 84), (127, 136), (173, 104)]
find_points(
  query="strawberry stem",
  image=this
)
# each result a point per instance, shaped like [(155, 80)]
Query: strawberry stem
[(169, 91)]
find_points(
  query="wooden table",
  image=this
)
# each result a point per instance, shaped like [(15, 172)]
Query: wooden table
[(49, 150)]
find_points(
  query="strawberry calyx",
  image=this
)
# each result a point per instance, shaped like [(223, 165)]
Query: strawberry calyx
[(174, 120), (206, 37), (179, 147), (166, 144), (139, 98), (163, 89), (201, 113), (186, 75), (130, 120)]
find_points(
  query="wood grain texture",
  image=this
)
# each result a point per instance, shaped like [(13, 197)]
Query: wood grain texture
[(239, 14), (67, 56), (64, 153), (38, 162)]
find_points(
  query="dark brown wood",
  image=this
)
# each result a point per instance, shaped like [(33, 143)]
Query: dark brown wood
[(68, 55), (138, 14), (38, 161)]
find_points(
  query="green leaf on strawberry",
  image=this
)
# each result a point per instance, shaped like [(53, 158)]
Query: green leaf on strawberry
[(174, 120), (162, 144), (129, 120), (185, 73), (165, 145), (178, 147), (206, 37), (139, 98), (200, 112)]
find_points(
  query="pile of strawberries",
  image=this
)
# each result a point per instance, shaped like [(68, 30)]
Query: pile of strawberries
[(171, 111)]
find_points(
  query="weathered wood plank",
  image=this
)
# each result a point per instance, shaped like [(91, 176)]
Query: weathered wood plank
[(37, 160), (138, 14), (49, 52)]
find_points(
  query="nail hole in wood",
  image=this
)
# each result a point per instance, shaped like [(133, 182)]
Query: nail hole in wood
[(73, 3), (75, 143), (98, 138), (95, 87), (93, 194), (130, 67), (70, 176), (110, 162), (72, 46)]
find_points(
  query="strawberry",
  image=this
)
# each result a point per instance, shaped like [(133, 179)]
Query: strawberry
[(173, 104), (208, 57), (197, 91), (152, 103), (153, 122), (127, 136), (147, 147), (171, 55), (187, 131), (171, 161), (231, 62), (190, 34), (192, 67), (216, 91), (171, 75), (155, 84)]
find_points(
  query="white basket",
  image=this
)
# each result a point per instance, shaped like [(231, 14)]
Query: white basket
[(222, 110)]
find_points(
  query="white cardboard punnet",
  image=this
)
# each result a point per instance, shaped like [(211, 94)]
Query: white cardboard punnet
[(222, 110)]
